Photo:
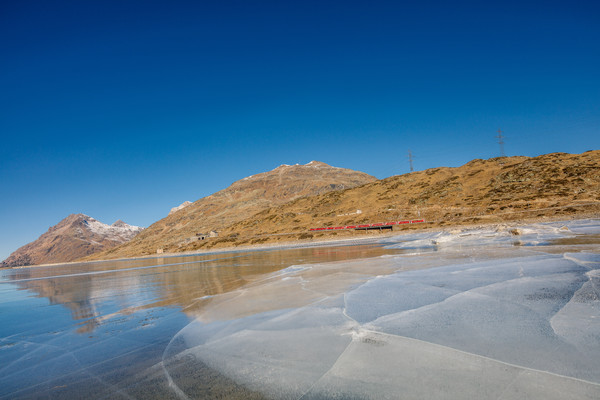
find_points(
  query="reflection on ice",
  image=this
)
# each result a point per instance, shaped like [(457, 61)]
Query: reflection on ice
[(504, 312), (100, 330), (480, 318)]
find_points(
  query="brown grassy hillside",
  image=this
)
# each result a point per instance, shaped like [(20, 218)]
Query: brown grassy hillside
[(499, 189), (239, 201)]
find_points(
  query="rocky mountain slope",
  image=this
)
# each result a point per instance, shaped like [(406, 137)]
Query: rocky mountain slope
[(239, 201), (74, 237), (554, 186)]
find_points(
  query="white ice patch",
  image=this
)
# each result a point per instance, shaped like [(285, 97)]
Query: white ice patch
[(502, 235), (586, 226)]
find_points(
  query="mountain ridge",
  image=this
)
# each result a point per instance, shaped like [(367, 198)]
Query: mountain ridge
[(74, 237), (284, 203), (496, 190), (242, 199)]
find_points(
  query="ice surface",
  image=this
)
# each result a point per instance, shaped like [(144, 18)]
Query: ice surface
[(283, 355), (379, 366), (504, 312), (294, 287), (527, 235), (585, 226), (477, 318)]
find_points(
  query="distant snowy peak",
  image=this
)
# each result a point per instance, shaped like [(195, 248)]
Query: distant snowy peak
[(74, 237), (179, 207), (117, 232)]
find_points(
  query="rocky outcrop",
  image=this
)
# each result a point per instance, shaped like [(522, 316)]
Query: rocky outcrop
[(179, 207)]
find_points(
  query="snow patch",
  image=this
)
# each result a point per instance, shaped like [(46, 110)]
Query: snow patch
[(315, 164), (121, 232)]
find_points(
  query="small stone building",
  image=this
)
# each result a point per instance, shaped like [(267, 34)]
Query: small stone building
[(204, 236)]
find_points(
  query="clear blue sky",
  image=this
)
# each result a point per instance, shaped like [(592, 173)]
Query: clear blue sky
[(124, 109)]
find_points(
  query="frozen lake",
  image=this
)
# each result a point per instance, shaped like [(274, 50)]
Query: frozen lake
[(504, 312)]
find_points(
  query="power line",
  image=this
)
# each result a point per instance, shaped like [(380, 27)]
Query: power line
[(410, 160), (501, 143)]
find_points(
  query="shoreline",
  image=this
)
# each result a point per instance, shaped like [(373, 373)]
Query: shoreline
[(328, 241)]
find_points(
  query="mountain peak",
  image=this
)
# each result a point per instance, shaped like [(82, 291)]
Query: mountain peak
[(317, 164), (287, 182), (76, 217), (75, 236), (240, 200), (314, 164)]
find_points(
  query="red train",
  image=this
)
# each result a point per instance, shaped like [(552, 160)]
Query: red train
[(366, 226)]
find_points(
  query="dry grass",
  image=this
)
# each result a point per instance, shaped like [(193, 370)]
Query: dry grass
[(498, 190)]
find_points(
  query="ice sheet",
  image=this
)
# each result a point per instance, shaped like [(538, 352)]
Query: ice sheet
[(469, 313), (523, 235), (477, 318), (379, 366), (584, 226), (283, 356)]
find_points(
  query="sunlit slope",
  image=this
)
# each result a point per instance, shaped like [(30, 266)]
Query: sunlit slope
[(76, 236), (239, 201), (507, 188)]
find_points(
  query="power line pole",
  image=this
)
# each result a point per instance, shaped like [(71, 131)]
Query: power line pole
[(501, 142), (410, 160)]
